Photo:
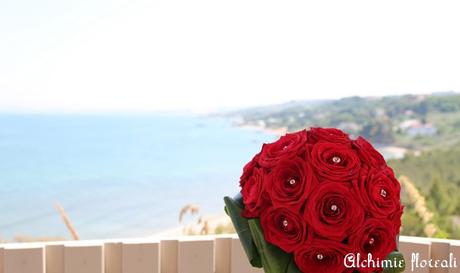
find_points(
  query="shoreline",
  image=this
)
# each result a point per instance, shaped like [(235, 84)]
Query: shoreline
[(389, 151), (212, 222), (261, 128)]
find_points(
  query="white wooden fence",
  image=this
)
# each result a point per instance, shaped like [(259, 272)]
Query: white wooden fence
[(194, 254)]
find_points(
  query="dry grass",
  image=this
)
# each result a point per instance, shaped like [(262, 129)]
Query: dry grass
[(419, 202), (27, 239), (67, 222), (225, 229), (204, 225), (192, 208)]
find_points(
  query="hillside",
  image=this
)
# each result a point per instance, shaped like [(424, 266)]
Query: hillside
[(410, 121), (436, 174), (426, 127)]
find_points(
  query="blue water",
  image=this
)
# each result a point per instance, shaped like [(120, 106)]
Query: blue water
[(115, 175)]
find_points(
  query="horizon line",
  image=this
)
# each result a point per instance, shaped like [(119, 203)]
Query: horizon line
[(210, 110)]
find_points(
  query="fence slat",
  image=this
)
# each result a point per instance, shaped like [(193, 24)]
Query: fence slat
[(196, 251), (112, 257), (1, 260), (223, 254), (239, 260), (455, 250), (83, 259), (24, 260), (439, 251), (409, 246), (141, 257), (169, 252), (54, 258), (197, 254)]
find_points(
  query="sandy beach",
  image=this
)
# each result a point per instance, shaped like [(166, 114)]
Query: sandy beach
[(271, 131), (212, 223)]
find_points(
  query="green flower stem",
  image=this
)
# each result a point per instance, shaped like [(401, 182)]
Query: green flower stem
[(234, 209), (274, 260), (395, 256), (263, 254)]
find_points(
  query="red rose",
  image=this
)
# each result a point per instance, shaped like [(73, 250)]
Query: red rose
[(367, 153), (327, 135), (375, 236), (253, 195), (395, 218), (321, 256), (379, 191), (290, 182), (333, 212), (248, 169), (283, 228), (320, 196), (335, 161), (288, 145)]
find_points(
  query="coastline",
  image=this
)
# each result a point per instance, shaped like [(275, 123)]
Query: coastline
[(389, 151), (117, 158), (264, 129), (210, 222)]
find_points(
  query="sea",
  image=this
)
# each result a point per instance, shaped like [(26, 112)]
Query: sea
[(116, 175)]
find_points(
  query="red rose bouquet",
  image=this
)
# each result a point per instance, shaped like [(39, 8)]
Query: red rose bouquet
[(317, 201)]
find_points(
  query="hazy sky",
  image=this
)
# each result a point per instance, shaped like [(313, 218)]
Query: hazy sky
[(99, 55)]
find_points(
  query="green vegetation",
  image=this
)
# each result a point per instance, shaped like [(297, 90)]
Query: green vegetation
[(436, 174), (410, 121), (428, 126)]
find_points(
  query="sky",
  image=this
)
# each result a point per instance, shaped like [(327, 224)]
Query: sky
[(139, 55)]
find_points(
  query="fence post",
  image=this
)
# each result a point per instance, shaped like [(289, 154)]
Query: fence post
[(223, 254), (24, 259), (168, 253), (439, 251), (54, 258), (1, 260), (196, 255), (240, 263), (141, 257), (83, 259), (409, 246), (112, 257), (455, 250)]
